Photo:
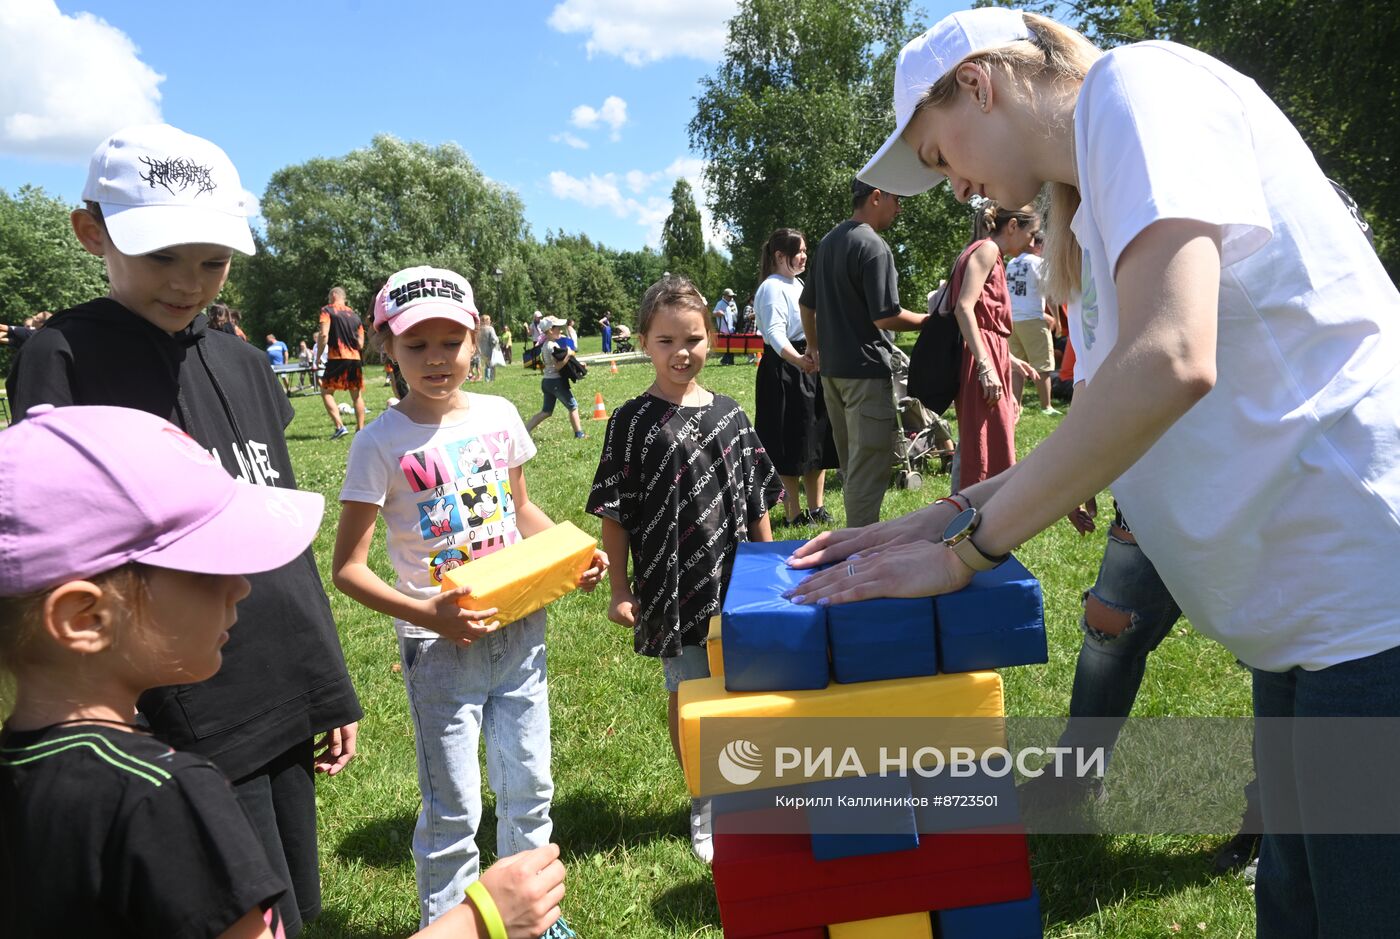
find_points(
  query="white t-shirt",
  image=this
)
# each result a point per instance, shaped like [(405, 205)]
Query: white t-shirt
[(1023, 284), (779, 317), (723, 316), (1272, 508), (444, 491)]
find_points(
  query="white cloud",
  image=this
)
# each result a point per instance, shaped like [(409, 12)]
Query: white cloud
[(593, 191), (67, 82), (643, 31), (647, 210), (613, 113), (577, 143)]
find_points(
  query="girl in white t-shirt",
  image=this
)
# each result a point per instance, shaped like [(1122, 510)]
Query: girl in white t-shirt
[(445, 469), (1237, 385)]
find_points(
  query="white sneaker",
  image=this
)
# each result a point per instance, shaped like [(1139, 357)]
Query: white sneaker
[(1049, 412), (702, 830)]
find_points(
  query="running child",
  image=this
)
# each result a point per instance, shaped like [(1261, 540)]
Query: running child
[(104, 830), (680, 483), (165, 210), (445, 469)]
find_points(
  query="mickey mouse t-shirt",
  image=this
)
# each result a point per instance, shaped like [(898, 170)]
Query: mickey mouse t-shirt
[(444, 490)]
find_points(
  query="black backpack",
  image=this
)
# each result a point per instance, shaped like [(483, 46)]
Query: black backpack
[(936, 360)]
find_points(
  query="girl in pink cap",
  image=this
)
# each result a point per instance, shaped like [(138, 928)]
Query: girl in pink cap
[(446, 470), (1235, 384), (104, 829)]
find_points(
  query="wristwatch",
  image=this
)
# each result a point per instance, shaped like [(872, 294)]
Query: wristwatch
[(958, 537)]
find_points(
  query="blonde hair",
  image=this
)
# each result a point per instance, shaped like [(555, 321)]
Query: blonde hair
[(22, 617), (1054, 54)]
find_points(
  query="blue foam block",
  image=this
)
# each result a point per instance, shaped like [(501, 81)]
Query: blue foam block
[(771, 643), (1019, 919), (995, 621), (877, 639), (964, 803), (840, 831)]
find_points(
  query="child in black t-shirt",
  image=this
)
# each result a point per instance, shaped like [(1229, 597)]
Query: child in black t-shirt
[(105, 831), (166, 211), (680, 483)]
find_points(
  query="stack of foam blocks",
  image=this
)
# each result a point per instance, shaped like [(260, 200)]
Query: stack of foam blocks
[(927, 871)]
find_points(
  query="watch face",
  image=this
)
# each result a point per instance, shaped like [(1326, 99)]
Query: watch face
[(961, 526)]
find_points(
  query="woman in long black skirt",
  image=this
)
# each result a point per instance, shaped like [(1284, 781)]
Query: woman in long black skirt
[(790, 414)]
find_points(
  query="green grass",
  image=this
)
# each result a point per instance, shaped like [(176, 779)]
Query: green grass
[(620, 805)]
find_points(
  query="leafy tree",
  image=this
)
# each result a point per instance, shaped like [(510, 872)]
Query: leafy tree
[(1331, 67), (636, 271), (801, 100), (682, 238), (42, 265), (354, 220)]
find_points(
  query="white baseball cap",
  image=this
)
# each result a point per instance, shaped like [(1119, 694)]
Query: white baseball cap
[(159, 186), (922, 62), (416, 294)]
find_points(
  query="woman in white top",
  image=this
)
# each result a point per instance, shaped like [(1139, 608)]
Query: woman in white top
[(790, 412), (1237, 384)]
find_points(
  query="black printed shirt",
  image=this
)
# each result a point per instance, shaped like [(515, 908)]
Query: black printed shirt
[(685, 483)]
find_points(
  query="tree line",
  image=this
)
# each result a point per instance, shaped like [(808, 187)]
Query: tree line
[(803, 96), (353, 220)]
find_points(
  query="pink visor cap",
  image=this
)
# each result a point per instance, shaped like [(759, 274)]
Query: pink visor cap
[(85, 490), (424, 293), (896, 167)]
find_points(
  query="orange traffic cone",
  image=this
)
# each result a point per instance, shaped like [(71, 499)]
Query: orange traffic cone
[(600, 413), (613, 366)]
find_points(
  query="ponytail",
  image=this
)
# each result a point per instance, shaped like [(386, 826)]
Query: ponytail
[(785, 240)]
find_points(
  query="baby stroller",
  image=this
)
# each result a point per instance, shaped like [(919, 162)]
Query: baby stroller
[(622, 340), (922, 433)]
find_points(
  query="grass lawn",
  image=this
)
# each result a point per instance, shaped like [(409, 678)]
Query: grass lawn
[(620, 807)]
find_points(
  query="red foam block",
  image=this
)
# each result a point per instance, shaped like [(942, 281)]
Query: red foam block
[(770, 883)]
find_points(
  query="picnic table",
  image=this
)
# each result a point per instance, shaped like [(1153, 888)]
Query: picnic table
[(300, 370)]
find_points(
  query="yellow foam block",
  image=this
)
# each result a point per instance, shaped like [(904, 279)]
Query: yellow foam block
[(714, 650), (909, 926), (526, 576), (963, 695)]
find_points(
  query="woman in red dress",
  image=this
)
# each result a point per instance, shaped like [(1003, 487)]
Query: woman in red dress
[(986, 411)]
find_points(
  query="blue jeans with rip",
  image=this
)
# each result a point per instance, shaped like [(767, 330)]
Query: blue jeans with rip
[(1110, 667), (495, 687), (1324, 885)]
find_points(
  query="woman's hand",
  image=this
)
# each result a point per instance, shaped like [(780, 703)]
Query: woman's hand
[(1027, 370), (590, 578), (443, 616), (926, 524), (916, 569), (991, 383)]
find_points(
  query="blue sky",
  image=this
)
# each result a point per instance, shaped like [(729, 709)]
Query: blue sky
[(581, 106)]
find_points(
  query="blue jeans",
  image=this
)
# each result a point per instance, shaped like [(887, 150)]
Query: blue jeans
[(1319, 885), (495, 686), (556, 389), (693, 662), (1110, 668)]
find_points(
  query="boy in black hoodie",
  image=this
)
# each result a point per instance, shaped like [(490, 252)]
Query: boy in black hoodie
[(165, 210)]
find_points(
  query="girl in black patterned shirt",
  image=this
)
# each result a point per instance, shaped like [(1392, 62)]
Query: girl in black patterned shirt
[(680, 483)]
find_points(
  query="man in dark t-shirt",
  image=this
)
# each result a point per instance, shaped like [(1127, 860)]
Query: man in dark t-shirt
[(850, 304), (341, 336)]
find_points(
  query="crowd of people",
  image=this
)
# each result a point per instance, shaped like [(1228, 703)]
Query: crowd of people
[(1234, 336)]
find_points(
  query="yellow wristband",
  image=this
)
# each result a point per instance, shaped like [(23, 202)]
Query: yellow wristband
[(481, 899)]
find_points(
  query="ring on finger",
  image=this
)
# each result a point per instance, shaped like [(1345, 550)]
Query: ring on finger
[(850, 570)]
